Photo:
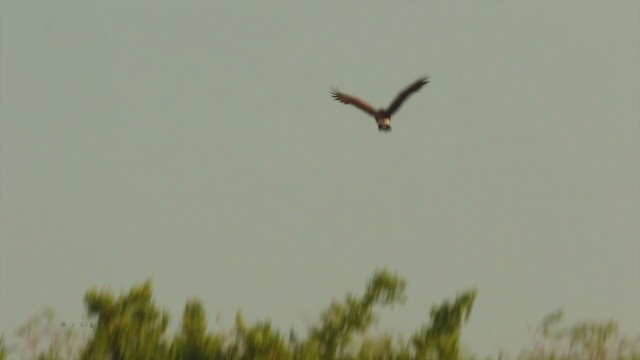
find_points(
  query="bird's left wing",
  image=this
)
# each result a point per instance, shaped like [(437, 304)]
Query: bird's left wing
[(351, 100), (404, 94)]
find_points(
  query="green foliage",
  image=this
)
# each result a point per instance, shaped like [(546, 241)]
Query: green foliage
[(441, 338), (3, 349), (192, 342), (588, 339), (43, 338), (383, 348), (130, 326), (354, 315), (258, 342)]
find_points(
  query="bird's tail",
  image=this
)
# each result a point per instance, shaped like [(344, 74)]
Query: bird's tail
[(384, 127)]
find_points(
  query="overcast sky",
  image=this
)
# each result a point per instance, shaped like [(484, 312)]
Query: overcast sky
[(196, 144)]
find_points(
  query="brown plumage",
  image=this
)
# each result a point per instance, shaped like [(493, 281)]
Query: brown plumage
[(382, 116)]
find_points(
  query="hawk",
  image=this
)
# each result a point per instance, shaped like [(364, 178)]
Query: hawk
[(382, 116)]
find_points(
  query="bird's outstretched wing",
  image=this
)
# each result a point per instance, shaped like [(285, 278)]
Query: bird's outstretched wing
[(404, 94), (350, 100)]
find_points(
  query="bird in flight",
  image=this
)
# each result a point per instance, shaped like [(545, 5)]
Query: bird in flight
[(382, 116)]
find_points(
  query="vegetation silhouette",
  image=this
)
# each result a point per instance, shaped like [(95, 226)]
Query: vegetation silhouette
[(132, 327)]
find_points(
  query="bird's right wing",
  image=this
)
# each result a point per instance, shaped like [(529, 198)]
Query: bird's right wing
[(351, 100), (405, 93)]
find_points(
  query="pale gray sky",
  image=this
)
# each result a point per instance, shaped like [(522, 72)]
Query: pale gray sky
[(196, 143)]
